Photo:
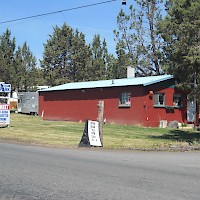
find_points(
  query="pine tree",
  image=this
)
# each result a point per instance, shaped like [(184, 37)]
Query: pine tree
[(55, 56), (120, 68), (138, 38), (19, 70), (80, 53), (17, 67), (65, 56), (25, 68), (101, 60), (29, 64), (181, 33), (7, 48)]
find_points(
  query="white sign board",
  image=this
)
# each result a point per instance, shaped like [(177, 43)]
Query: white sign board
[(93, 133)]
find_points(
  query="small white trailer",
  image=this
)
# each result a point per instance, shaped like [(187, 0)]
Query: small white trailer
[(28, 103)]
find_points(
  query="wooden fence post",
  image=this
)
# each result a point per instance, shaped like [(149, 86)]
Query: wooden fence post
[(100, 119)]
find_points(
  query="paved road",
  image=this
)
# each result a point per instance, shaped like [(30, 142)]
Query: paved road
[(30, 173)]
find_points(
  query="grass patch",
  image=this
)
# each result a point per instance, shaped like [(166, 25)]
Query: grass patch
[(34, 130)]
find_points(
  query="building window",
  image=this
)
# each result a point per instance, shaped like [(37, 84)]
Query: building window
[(159, 99), (125, 99), (178, 100)]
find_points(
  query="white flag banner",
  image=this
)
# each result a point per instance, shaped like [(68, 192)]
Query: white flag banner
[(93, 133)]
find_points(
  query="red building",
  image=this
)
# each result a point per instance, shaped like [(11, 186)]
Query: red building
[(144, 101)]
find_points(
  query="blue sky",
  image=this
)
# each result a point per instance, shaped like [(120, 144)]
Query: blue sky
[(100, 19)]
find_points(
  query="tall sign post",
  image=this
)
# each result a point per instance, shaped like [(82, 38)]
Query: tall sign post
[(5, 90), (100, 119)]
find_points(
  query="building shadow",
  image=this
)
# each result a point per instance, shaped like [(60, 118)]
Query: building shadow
[(180, 135)]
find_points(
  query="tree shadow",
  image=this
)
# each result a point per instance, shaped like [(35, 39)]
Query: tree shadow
[(180, 135)]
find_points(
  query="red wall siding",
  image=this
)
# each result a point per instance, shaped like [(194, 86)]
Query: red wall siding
[(76, 105), (79, 105), (153, 114)]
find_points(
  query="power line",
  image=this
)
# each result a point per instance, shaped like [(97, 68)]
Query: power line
[(55, 12)]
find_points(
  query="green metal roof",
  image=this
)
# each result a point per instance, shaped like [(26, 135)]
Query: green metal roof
[(144, 81)]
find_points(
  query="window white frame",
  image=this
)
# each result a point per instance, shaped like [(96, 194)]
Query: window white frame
[(159, 99), (125, 99)]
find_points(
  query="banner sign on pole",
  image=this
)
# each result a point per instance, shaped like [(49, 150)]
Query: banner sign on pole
[(5, 87), (5, 90), (5, 114), (93, 133)]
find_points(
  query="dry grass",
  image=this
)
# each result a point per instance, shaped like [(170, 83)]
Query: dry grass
[(33, 130)]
